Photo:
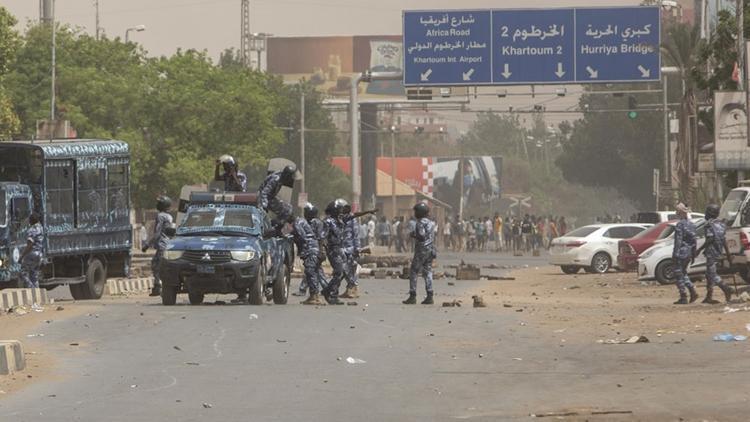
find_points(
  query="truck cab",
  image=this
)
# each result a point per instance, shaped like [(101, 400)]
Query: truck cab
[(15, 209)]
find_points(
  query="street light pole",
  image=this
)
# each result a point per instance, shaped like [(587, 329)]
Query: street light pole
[(54, 65), (137, 28), (393, 171), (302, 138)]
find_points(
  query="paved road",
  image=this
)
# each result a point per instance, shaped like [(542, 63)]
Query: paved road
[(139, 361)]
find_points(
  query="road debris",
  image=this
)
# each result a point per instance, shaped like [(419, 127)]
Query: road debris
[(730, 310), (744, 296), (192, 363), (729, 337), (253, 316), (351, 303), (34, 335), (177, 348), (479, 301), (60, 308), (207, 405), (354, 361), (452, 304), (278, 340), (629, 340)]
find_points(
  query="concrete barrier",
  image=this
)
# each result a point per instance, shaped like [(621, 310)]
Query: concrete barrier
[(129, 285), (12, 359), (22, 297)]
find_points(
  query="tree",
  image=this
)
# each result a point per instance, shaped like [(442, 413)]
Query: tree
[(9, 122)]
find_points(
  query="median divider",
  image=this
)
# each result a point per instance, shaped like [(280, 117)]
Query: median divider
[(10, 298), (12, 358), (120, 286)]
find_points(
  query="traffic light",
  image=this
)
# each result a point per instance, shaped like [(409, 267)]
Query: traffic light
[(632, 107)]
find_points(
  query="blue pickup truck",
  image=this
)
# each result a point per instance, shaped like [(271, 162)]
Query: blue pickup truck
[(225, 244)]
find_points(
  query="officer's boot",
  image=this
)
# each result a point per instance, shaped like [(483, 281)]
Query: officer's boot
[(693, 294), (156, 290), (710, 297), (727, 291), (314, 299), (347, 294), (683, 300), (411, 300), (428, 300)]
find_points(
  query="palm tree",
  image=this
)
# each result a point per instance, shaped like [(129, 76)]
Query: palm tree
[(681, 49)]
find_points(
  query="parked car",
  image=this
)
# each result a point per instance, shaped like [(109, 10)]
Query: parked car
[(735, 211), (655, 217), (630, 249), (655, 263), (593, 248)]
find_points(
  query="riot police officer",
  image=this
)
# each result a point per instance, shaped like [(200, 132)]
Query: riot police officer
[(159, 239), (311, 215), (713, 248), (424, 254), (333, 233), (234, 179), (351, 249), (682, 254), (32, 256), (308, 249), (270, 188)]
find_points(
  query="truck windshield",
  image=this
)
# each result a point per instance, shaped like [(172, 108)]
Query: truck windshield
[(219, 221), (3, 210), (731, 206)]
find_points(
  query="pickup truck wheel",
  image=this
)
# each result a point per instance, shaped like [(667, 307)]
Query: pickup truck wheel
[(570, 269), (665, 272), (195, 298), (281, 286), (255, 296), (168, 295)]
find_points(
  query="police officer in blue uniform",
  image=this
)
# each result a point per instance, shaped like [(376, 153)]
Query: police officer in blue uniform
[(424, 254), (234, 179), (32, 256), (713, 248), (159, 239), (682, 254), (308, 250), (311, 215), (351, 250), (270, 188), (333, 233)]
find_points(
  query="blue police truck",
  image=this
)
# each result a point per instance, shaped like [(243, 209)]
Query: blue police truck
[(226, 244), (81, 190)]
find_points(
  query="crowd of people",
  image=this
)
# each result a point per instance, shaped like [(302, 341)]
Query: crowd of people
[(472, 234)]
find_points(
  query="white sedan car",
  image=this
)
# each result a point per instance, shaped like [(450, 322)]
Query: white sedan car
[(593, 248), (655, 263)]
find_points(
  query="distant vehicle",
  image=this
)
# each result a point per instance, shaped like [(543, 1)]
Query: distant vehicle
[(736, 214), (225, 244), (655, 263), (629, 249), (592, 248), (81, 190), (655, 217)]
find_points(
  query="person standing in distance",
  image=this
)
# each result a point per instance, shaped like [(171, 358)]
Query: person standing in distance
[(424, 254), (682, 254), (714, 246), (159, 239), (32, 257), (234, 179)]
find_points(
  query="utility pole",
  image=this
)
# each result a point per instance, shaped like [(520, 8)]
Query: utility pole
[(741, 61), (393, 170), (245, 33), (96, 5), (302, 139), (54, 59)]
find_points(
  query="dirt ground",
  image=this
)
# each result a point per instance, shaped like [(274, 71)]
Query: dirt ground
[(22, 327), (596, 308)]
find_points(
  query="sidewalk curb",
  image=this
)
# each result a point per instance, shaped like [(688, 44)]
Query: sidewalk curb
[(120, 286), (22, 297), (12, 359)]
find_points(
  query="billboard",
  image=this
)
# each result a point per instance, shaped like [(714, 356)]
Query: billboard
[(440, 177), (730, 132)]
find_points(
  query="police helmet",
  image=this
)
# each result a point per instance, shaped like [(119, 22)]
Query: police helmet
[(163, 203), (712, 211), (341, 205), (288, 174), (227, 159), (310, 211), (347, 209), (421, 210), (331, 209)]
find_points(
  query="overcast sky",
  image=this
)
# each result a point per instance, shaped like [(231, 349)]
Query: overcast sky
[(214, 25)]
